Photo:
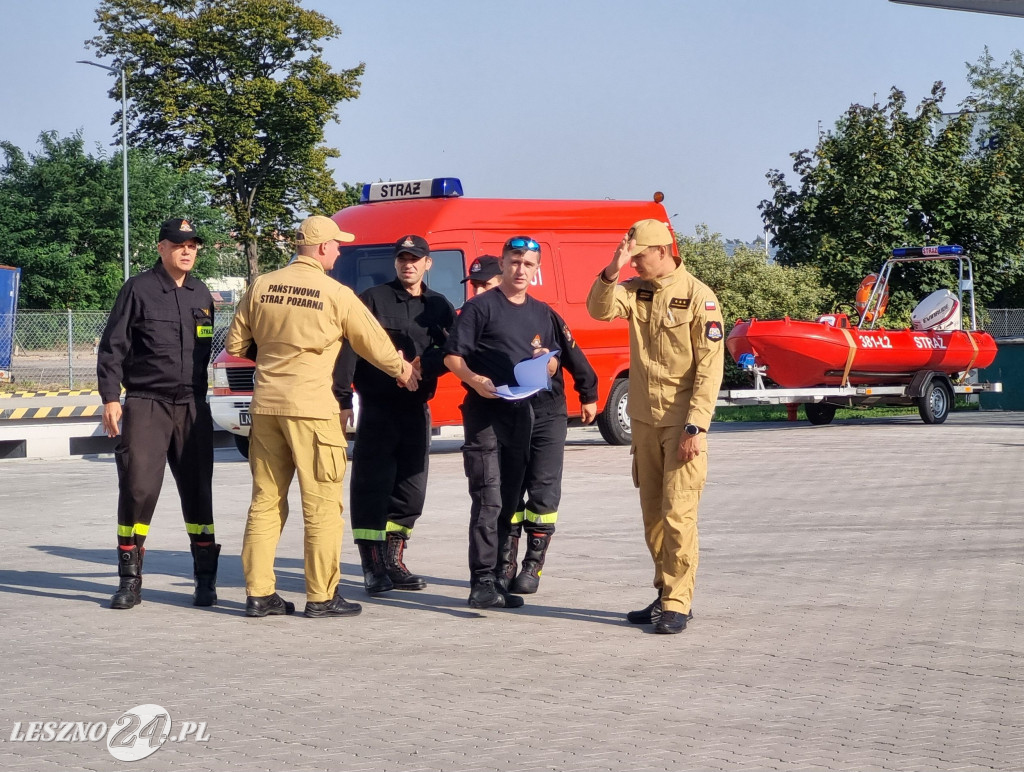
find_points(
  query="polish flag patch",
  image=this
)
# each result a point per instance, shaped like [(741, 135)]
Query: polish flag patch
[(709, 305)]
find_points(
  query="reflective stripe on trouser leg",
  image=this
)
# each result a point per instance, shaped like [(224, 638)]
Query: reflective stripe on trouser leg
[(270, 459), (540, 522), (402, 531), (373, 473), (412, 462), (494, 454), (190, 457), (140, 456), (544, 473), (669, 497)]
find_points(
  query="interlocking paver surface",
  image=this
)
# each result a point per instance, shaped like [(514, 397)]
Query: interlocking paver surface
[(858, 607)]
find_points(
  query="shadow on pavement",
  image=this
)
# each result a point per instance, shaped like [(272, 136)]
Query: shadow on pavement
[(96, 586)]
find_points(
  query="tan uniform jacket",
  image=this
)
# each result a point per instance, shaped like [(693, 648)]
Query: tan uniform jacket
[(297, 317), (676, 346)]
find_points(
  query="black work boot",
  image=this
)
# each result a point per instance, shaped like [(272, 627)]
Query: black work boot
[(651, 615), (533, 561), (484, 594), (401, 577), (267, 605), (646, 616), (671, 622), (129, 569), (335, 607), (375, 570), (508, 561), (204, 570)]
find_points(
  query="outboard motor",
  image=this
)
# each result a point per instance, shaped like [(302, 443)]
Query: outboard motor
[(938, 311)]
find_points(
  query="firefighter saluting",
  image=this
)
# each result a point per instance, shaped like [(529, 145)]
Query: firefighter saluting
[(676, 357)]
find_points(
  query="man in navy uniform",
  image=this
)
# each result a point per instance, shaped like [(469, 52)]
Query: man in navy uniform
[(392, 451), (157, 345)]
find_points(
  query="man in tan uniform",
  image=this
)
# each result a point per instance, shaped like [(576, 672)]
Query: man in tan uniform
[(676, 359), (292, 322)]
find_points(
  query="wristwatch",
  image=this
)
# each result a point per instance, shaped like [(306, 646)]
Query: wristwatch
[(691, 429)]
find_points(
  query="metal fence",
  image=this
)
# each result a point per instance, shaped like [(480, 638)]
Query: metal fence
[(1005, 322), (57, 349)]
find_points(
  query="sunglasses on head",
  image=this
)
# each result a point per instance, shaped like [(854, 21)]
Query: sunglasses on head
[(522, 242)]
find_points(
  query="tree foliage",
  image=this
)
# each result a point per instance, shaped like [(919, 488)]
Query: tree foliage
[(238, 86), (998, 95), (885, 178), (61, 220), (749, 285)]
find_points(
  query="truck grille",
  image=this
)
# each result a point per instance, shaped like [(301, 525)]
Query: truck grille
[(240, 378)]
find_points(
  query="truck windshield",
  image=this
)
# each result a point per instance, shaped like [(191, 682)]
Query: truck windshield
[(367, 265)]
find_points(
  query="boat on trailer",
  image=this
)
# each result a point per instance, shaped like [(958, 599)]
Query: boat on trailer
[(931, 360)]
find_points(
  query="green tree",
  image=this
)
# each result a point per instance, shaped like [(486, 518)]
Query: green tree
[(238, 86), (749, 285), (886, 178), (999, 97), (61, 220)]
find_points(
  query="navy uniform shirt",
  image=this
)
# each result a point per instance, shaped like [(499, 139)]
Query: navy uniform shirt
[(494, 334), (418, 325), (552, 401), (157, 340)]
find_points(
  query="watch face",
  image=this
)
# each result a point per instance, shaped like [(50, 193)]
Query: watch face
[(691, 429)]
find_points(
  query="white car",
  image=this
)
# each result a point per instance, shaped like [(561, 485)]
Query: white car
[(232, 393)]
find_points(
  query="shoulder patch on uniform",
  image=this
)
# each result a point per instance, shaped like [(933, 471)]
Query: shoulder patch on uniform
[(713, 330), (565, 331), (710, 305), (679, 303), (645, 294)]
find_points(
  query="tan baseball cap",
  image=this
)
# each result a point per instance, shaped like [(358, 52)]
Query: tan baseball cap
[(319, 230), (649, 233)]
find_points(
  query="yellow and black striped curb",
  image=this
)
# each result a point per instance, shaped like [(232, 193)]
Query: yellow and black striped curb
[(63, 393), (67, 411)]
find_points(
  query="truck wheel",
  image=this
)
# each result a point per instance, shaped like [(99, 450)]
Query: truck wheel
[(819, 413), (242, 443), (613, 421), (934, 405)]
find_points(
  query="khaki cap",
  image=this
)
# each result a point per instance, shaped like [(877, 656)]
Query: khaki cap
[(649, 233), (318, 229)]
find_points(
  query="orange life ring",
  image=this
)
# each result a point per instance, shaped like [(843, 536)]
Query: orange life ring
[(864, 294)]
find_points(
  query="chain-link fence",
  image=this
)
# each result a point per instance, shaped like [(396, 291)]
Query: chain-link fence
[(57, 349), (1005, 323)]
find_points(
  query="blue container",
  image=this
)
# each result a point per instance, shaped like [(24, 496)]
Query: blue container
[(9, 279)]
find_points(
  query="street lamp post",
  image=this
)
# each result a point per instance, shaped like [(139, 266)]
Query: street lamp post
[(124, 155)]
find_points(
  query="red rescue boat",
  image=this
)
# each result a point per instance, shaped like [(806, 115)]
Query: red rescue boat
[(829, 352)]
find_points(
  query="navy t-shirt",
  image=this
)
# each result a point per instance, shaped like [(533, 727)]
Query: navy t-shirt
[(493, 334)]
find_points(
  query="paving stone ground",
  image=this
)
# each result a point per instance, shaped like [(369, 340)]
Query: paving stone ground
[(858, 607)]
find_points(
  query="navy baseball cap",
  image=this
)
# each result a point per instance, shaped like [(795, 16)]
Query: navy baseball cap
[(483, 268), (178, 230), (414, 245)]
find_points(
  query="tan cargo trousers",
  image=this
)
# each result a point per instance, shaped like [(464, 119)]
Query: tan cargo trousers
[(669, 494), (280, 446)]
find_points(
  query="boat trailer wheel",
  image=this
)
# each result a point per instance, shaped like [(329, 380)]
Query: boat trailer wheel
[(936, 402), (819, 413)]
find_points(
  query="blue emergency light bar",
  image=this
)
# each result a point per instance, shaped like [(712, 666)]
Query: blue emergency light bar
[(439, 187), (952, 249)]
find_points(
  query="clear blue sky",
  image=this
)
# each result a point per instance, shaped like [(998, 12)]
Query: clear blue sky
[(566, 99)]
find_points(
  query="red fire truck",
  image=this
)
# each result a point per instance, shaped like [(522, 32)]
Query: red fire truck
[(577, 239)]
